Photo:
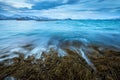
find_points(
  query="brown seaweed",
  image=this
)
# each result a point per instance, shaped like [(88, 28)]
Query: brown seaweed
[(51, 66)]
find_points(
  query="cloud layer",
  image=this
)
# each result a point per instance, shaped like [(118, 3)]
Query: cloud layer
[(76, 9)]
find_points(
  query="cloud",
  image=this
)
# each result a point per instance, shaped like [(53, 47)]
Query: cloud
[(21, 5), (45, 5), (5, 7), (17, 4), (48, 4), (72, 1), (76, 9)]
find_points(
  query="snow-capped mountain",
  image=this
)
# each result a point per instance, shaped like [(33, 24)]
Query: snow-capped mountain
[(22, 17)]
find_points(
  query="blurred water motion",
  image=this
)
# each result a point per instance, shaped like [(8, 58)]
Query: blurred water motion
[(34, 37)]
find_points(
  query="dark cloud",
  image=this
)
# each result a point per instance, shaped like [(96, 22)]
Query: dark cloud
[(100, 9), (52, 4), (107, 9), (72, 1), (5, 7), (45, 5), (101, 0)]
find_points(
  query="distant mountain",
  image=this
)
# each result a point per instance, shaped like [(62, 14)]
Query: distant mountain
[(30, 17), (2, 17), (23, 17)]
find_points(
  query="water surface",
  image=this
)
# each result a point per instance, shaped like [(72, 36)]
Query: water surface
[(44, 34)]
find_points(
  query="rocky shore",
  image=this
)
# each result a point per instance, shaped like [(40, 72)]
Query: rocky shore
[(102, 64)]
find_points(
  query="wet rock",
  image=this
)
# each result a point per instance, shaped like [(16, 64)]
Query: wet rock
[(72, 66)]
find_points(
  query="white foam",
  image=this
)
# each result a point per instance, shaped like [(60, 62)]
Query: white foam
[(87, 59)]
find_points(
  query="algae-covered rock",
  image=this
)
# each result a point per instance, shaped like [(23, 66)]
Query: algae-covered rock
[(52, 66)]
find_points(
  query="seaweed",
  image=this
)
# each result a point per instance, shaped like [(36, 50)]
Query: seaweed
[(52, 66)]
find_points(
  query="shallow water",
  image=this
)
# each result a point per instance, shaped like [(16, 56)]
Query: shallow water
[(41, 35)]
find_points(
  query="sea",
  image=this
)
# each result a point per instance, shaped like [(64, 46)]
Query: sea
[(33, 37)]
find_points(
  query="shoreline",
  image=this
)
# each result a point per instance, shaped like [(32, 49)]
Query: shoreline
[(71, 66)]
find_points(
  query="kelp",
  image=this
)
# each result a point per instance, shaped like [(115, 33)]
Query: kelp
[(52, 66)]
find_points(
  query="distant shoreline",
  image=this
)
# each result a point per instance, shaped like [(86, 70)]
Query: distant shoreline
[(64, 20)]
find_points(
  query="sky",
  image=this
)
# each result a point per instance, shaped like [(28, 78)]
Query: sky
[(61, 9)]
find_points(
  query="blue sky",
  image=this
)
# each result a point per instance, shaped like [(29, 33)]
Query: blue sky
[(75, 9)]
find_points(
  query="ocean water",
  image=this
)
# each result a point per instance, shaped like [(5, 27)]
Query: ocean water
[(42, 35)]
